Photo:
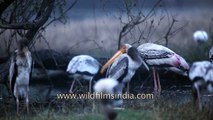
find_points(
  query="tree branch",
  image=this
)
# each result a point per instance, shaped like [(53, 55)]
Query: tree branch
[(24, 26), (4, 4), (169, 31), (42, 16), (58, 18), (40, 21), (134, 22)]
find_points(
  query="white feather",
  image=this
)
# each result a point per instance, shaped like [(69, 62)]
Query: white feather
[(177, 70), (132, 67), (168, 61), (83, 63), (105, 85), (209, 74), (198, 69), (178, 63), (148, 46), (200, 36), (172, 60)]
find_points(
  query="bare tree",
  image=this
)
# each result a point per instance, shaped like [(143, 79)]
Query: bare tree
[(135, 21), (28, 18)]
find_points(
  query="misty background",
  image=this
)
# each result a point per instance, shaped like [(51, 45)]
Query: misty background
[(93, 26)]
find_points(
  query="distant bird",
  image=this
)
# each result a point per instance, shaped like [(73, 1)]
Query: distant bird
[(124, 64), (211, 54), (83, 67), (200, 36), (201, 74), (109, 87), (20, 73), (161, 57)]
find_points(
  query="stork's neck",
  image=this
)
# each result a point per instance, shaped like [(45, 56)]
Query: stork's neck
[(134, 55), (22, 51)]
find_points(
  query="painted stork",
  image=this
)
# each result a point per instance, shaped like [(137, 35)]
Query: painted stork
[(200, 36), (162, 57), (109, 86), (83, 67), (20, 73), (124, 64), (211, 54), (182, 69), (201, 74)]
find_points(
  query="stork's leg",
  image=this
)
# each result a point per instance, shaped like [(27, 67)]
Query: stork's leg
[(127, 87), (199, 99), (93, 106), (194, 95), (158, 82), (78, 80), (27, 99), (90, 85), (198, 85), (17, 100), (155, 82), (71, 87)]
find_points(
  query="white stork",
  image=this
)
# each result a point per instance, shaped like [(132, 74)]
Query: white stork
[(20, 73), (162, 57), (124, 64), (109, 87), (200, 36), (211, 54), (83, 67), (201, 74)]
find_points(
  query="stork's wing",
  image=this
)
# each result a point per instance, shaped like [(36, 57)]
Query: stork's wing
[(209, 73), (198, 69), (13, 71), (30, 63), (177, 70), (82, 64), (90, 65), (119, 68), (155, 54)]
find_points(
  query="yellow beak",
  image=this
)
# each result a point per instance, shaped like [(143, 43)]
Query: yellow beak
[(109, 62)]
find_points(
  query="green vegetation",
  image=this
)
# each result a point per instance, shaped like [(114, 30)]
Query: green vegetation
[(169, 106)]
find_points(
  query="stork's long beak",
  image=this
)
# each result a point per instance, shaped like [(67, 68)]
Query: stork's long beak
[(109, 62), (144, 63)]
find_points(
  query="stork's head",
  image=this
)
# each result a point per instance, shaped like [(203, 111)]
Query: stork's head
[(123, 49), (22, 43), (126, 46), (183, 64)]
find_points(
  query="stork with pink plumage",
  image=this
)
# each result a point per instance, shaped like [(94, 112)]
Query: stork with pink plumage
[(159, 56)]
